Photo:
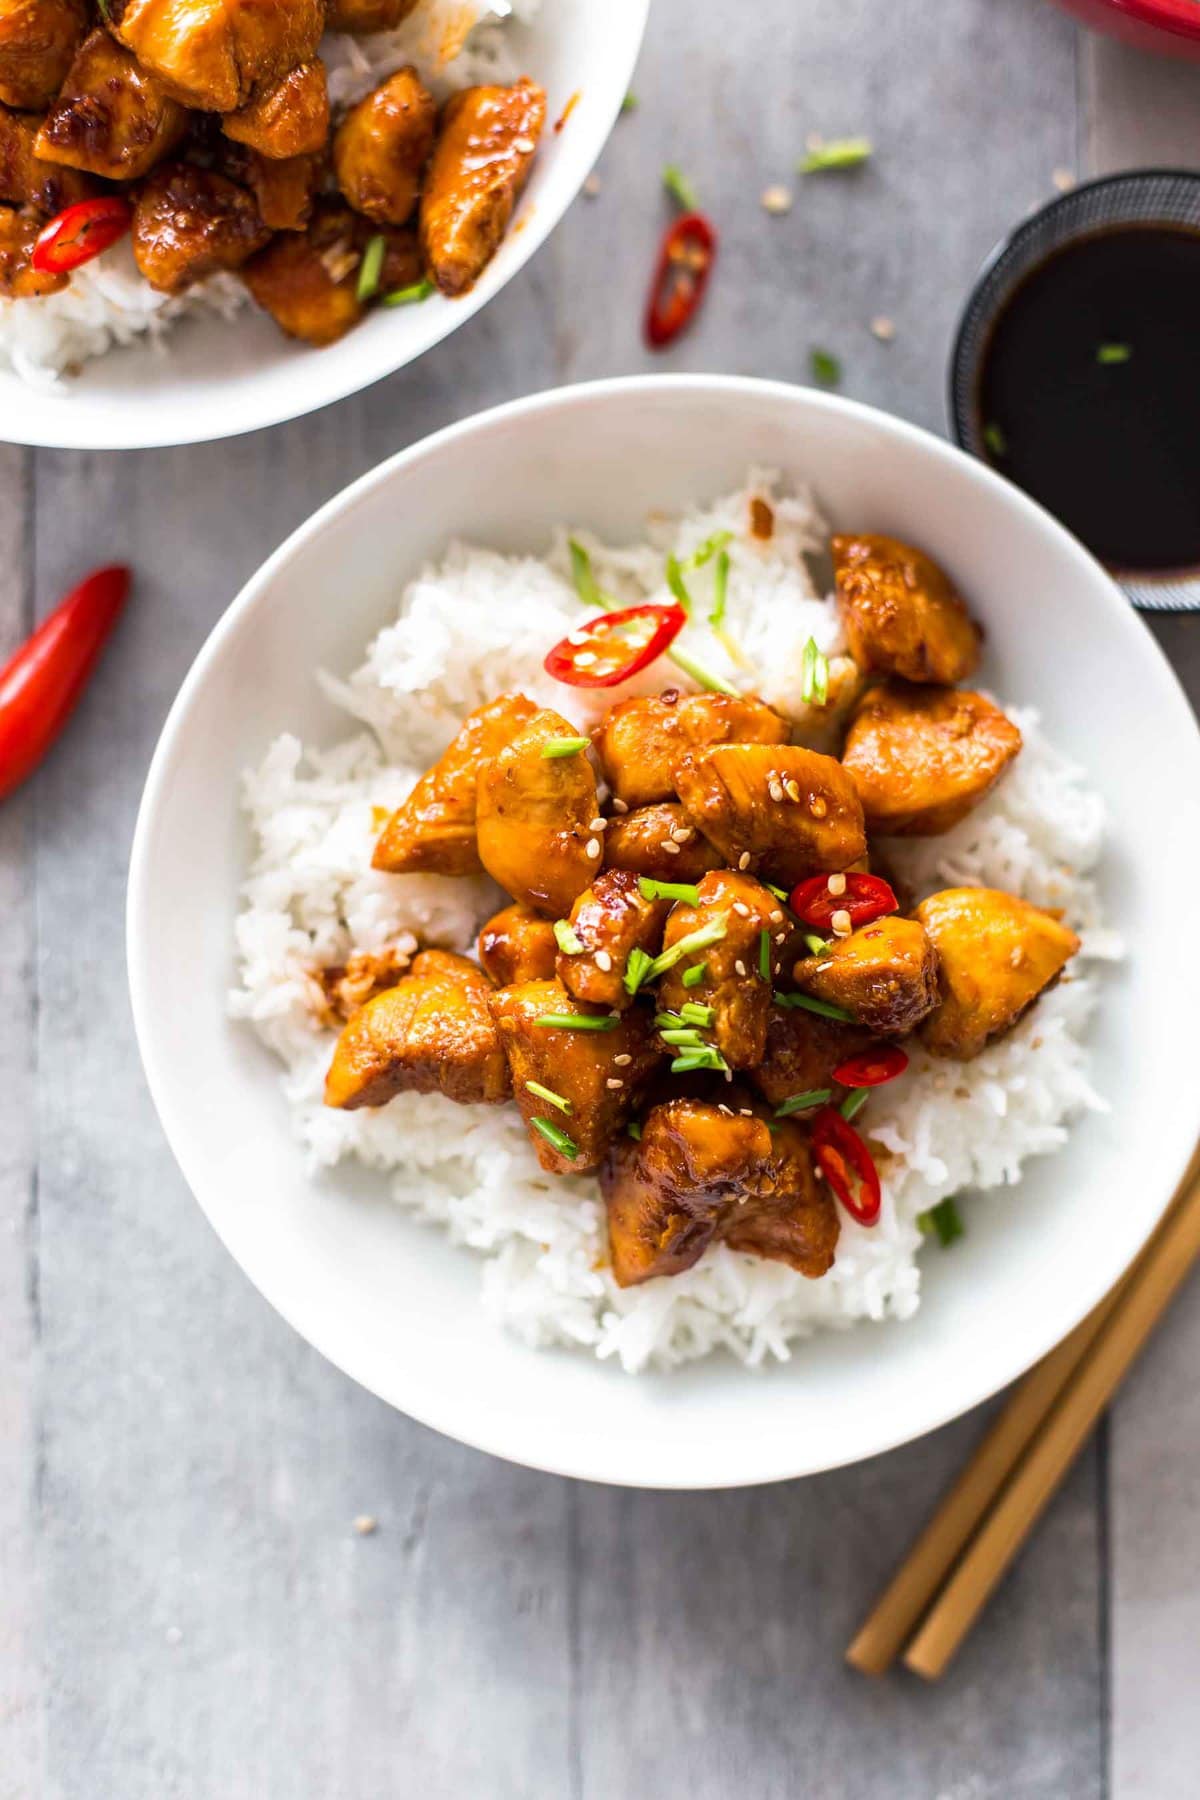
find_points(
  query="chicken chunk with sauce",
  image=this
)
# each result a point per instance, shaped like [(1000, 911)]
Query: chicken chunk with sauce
[(480, 164), (781, 809), (885, 975), (922, 757), (189, 223), (640, 742), (518, 945), (600, 1075), (432, 1033), (661, 842), (731, 984), (536, 819), (803, 1049), (434, 831), (609, 920), (382, 145), (25, 180), (113, 117), (38, 40), (362, 16), (290, 119), (996, 954), (284, 188), (703, 1172), (900, 613), (19, 280), (308, 281), (216, 54)]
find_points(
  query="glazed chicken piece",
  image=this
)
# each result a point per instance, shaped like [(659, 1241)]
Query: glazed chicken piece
[(659, 841), (996, 954), (25, 180), (803, 1050), (609, 919), (38, 39), (430, 1034), (284, 188), (216, 55), (291, 119), (536, 825), (434, 831), (788, 811), (189, 223), (702, 1173), (308, 281), (518, 945), (382, 145), (112, 118), (885, 975), (640, 742), (900, 614), (480, 164), (922, 757), (362, 16), (348, 986), (731, 984), (19, 280), (600, 1074)]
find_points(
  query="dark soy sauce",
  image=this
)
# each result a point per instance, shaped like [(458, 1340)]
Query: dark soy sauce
[(1089, 393)]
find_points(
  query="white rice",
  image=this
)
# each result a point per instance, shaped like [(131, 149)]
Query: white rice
[(479, 623), (107, 303)]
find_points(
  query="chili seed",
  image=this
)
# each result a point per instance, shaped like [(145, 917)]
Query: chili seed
[(817, 807), (836, 884)]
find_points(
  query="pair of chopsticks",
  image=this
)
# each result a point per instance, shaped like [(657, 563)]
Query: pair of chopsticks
[(942, 1586)]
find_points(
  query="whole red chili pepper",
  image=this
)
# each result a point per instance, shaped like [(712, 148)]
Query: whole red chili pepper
[(684, 265), (40, 686)]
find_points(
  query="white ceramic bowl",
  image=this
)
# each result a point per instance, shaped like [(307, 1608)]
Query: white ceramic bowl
[(217, 379), (389, 1300)]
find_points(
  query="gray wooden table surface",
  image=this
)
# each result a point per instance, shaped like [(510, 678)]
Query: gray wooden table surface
[(185, 1607)]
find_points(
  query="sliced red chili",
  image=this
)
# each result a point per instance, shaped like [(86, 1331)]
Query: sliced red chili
[(685, 263), (864, 897), (80, 232), (872, 1068), (611, 648), (847, 1165)]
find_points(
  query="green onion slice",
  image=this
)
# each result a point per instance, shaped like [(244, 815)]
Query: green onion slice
[(636, 970), (668, 890), (854, 1102), (555, 1135), (814, 675), (629, 104), (825, 367), (839, 153), (695, 975), (634, 1130), (686, 1037), (712, 933), (820, 1007), (370, 268), (678, 585), (566, 938), (716, 617), (680, 188), (696, 1014), (779, 893), (578, 1021), (586, 585), (564, 747), (818, 945), (545, 1093), (801, 1102), (1113, 353), (708, 549), (995, 440), (409, 296), (944, 1219), (764, 954), (715, 684)]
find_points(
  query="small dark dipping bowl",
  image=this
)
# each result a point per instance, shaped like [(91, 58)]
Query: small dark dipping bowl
[(1076, 373)]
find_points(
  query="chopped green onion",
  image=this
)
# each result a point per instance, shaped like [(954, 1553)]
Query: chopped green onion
[(1113, 353), (712, 933), (814, 675), (668, 1019), (680, 188), (695, 975), (714, 683), (564, 747), (696, 1014), (586, 585), (716, 617), (370, 268), (556, 1136), (634, 1130), (678, 585), (818, 945), (854, 1102), (764, 954), (825, 367), (545, 1093), (708, 549), (637, 969), (686, 1037), (409, 296), (566, 939), (707, 1057), (839, 153), (821, 1007), (779, 893), (668, 890), (802, 1102), (995, 440), (629, 103), (944, 1219), (578, 1021)]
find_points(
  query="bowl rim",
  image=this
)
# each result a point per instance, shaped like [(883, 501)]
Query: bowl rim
[(1180, 1125), (536, 226)]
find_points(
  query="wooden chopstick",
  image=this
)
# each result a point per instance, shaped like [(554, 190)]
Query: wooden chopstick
[(1026, 1415)]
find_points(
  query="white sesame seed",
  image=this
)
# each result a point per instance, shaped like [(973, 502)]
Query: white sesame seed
[(774, 789), (841, 923), (670, 848), (739, 967), (681, 833), (836, 884), (603, 960), (781, 937), (591, 186), (883, 329), (776, 916), (729, 1072), (598, 824), (1063, 180), (744, 860), (623, 1060), (722, 1108), (592, 847), (739, 906), (793, 791), (619, 806), (779, 968), (365, 1524), (776, 199), (614, 1081)]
